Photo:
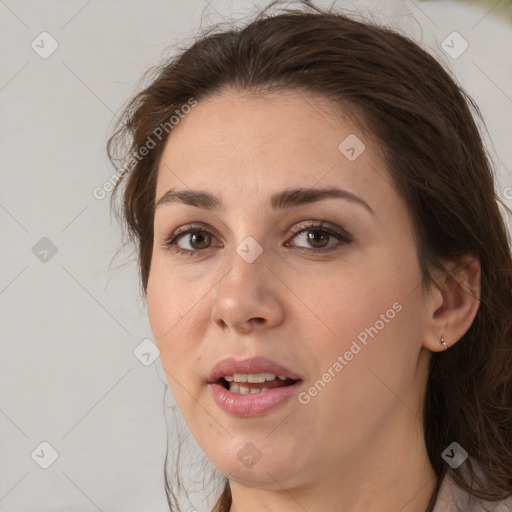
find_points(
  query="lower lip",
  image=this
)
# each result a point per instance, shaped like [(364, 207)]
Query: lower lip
[(254, 404)]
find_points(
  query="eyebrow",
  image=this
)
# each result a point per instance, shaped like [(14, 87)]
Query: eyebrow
[(290, 198)]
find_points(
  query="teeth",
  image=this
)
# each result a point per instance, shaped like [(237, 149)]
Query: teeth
[(252, 377), (255, 378), (235, 387)]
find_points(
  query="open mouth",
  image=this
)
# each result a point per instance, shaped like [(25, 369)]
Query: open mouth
[(256, 383)]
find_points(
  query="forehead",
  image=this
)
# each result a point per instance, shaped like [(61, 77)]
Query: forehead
[(236, 140)]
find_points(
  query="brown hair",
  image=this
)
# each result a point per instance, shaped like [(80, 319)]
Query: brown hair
[(423, 122)]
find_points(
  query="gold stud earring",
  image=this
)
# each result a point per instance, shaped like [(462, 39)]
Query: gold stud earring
[(443, 342)]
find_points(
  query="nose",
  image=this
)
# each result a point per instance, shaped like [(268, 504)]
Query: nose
[(248, 297)]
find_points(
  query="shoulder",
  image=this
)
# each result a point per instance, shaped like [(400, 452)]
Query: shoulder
[(451, 498)]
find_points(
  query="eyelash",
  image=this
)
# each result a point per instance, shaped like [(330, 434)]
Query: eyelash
[(345, 239)]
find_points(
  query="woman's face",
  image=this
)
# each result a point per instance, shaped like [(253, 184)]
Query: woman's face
[(340, 308)]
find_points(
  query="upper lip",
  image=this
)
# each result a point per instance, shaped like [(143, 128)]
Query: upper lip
[(260, 364)]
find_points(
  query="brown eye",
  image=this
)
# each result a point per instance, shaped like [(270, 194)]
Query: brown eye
[(198, 240), (318, 238)]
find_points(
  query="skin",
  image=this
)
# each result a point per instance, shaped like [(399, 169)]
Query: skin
[(358, 445)]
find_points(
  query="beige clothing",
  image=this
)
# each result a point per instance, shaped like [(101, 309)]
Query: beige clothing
[(451, 498)]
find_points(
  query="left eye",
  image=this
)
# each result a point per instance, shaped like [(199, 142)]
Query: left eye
[(315, 234), (318, 235), (318, 238)]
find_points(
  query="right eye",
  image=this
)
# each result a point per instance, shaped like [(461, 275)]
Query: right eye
[(196, 237)]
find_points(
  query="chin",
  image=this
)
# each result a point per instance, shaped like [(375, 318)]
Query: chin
[(265, 477), (259, 468)]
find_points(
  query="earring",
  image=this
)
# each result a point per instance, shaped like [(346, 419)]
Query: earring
[(444, 343)]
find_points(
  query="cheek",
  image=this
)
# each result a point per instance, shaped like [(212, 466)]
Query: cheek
[(376, 315), (370, 309), (178, 319), (170, 301), (349, 299), (175, 351), (169, 315)]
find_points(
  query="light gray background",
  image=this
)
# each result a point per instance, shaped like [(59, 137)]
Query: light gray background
[(70, 325)]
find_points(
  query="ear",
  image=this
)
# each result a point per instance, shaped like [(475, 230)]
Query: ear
[(452, 306)]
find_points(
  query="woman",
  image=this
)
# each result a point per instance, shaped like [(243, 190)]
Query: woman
[(328, 275)]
